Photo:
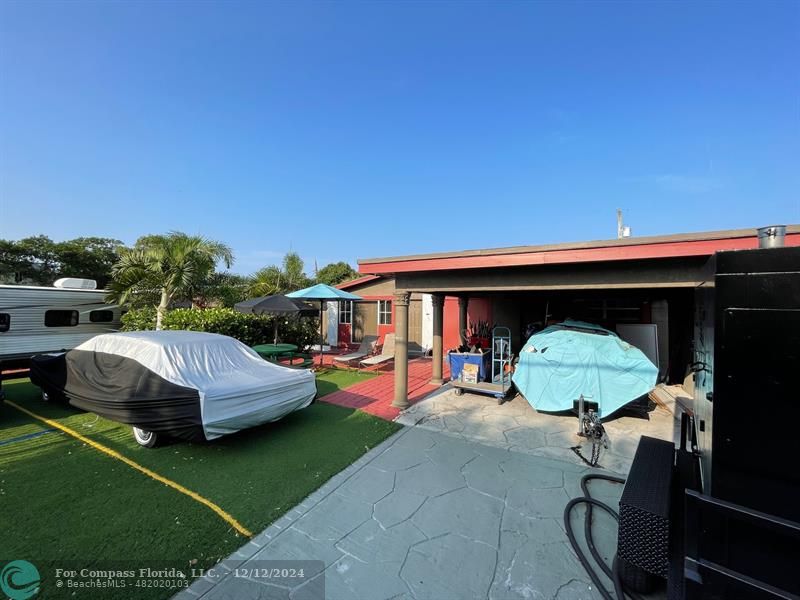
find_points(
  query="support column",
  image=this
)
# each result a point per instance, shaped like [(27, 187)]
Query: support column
[(401, 299), (463, 304), (438, 332)]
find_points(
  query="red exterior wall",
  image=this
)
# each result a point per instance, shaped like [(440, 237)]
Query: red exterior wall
[(450, 337), (479, 309)]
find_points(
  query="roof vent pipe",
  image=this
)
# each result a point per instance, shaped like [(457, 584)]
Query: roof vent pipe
[(772, 236)]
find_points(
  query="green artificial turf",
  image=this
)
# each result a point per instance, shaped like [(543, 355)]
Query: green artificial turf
[(332, 380), (65, 501)]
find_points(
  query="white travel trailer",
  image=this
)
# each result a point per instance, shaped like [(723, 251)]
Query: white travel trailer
[(35, 320)]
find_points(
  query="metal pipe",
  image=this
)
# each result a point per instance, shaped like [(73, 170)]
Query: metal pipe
[(772, 236)]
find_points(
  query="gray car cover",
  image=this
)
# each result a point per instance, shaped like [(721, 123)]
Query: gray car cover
[(184, 383)]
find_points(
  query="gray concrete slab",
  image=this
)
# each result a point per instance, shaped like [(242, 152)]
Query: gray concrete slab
[(516, 426), (442, 513)]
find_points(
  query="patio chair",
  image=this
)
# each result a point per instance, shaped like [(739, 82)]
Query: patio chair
[(366, 348), (387, 353)]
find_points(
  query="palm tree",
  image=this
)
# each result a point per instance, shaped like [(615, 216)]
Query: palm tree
[(175, 264), (266, 282), (276, 280)]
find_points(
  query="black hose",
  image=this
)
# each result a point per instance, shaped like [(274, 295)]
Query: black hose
[(611, 572), (587, 521)]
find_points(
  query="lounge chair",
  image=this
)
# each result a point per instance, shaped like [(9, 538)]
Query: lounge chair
[(366, 348), (387, 353)]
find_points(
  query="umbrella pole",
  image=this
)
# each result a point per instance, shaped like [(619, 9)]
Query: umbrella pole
[(321, 337), (275, 322)]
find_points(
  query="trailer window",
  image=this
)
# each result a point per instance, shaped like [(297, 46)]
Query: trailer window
[(101, 316), (61, 318), (5, 322)]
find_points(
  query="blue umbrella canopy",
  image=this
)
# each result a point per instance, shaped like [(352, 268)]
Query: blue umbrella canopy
[(322, 292)]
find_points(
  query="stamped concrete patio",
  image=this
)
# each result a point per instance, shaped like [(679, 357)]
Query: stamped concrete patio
[(517, 427), (466, 503)]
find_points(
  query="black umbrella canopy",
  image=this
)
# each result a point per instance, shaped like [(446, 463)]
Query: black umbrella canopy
[(276, 305)]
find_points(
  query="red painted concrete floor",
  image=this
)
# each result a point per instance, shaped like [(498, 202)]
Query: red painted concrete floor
[(374, 396)]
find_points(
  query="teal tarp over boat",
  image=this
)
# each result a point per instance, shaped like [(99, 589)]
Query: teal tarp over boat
[(563, 361)]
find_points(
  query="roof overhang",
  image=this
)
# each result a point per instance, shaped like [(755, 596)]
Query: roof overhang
[(346, 285), (643, 248)]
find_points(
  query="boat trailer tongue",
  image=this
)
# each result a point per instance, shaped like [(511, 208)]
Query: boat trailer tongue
[(590, 428)]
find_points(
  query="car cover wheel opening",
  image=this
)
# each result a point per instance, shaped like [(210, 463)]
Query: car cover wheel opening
[(148, 439)]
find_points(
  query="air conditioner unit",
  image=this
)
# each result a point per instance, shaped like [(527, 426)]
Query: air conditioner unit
[(76, 283)]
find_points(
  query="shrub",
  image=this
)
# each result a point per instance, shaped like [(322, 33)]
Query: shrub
[(139, 319), (249, 329)]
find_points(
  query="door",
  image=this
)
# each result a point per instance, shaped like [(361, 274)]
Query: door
[(365, 320), (415, 322)]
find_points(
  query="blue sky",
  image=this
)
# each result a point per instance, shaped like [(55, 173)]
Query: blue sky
[(345, 130)]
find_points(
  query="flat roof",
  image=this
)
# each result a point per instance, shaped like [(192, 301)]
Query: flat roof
[(631, 248)]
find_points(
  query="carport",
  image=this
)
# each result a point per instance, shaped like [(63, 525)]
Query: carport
[(610, 282)]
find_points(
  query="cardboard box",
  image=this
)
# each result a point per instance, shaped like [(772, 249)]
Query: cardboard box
[(469, 374)]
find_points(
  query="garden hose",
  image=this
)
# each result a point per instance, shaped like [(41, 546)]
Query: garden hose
[(612, 572)]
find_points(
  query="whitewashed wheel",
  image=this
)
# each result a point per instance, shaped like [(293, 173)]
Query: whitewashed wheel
[(148, 439)]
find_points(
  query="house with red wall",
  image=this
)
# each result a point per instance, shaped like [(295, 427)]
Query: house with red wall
[(350, 322)]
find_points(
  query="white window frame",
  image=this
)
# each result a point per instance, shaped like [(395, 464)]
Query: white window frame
[(384, 308), (345, 312)]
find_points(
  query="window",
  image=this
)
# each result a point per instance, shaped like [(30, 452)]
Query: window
[(5, 322), (384, 312), (345, 313), (60, 318), (101, 316)]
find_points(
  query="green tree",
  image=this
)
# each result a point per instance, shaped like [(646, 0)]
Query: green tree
[(222, 289), (13, 264), (89, 257), (175, 265), (266, 282), (29, 260), (336, 273), (293, 273), (273, 280), (40, 261)]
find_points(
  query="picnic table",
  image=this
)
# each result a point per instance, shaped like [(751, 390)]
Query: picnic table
[(275, 351)]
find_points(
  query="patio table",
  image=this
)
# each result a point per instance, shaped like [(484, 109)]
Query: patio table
[(274, 351)]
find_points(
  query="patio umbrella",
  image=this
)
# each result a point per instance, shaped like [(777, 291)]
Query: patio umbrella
[(275, 305), (323, 293)]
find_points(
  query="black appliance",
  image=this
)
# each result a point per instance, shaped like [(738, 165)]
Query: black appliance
[(742, 529)]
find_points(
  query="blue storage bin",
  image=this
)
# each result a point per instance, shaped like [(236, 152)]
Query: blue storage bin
[(459, 359)]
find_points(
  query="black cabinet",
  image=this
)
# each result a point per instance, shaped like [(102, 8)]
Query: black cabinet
[(742, 533)]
